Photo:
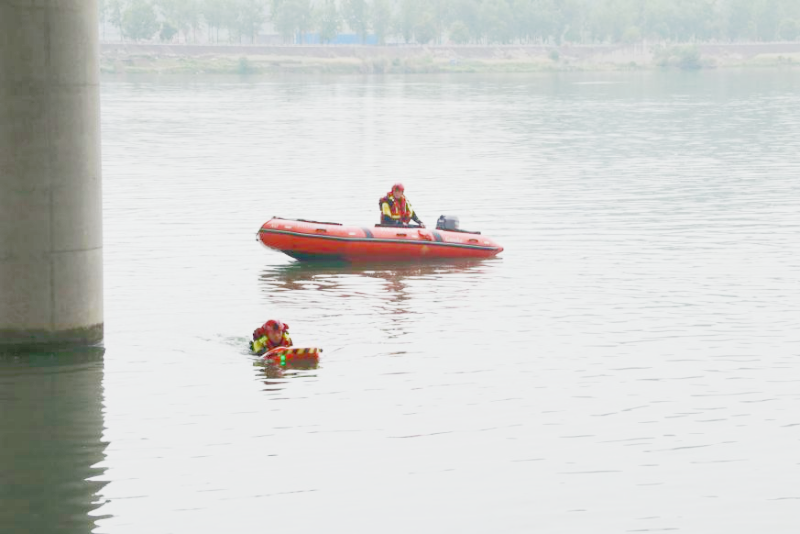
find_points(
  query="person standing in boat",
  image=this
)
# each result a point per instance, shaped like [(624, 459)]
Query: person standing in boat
[(270, 335), (396, 210)]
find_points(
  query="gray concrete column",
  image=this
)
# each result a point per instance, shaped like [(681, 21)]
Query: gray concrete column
[(51, 262)]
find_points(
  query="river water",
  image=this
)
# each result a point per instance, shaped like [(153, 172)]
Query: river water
[(629, 363)]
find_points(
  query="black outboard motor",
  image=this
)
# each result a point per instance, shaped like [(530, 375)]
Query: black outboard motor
[(447, 222)]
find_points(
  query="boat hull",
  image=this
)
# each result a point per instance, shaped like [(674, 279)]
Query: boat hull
[(318, 241)]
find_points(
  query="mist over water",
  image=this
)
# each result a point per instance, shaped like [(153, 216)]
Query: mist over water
[(628, 363)]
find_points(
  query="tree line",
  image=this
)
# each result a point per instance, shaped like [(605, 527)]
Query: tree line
[(457, 21)]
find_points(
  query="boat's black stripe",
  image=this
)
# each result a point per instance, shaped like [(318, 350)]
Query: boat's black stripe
[(438, 243), (437, 236), (367, 232)]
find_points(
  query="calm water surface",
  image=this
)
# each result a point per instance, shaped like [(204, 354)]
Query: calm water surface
[(629, 363)]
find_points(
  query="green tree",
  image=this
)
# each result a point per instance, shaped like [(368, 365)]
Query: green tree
[(443, 15), (551, 21), (790, 9), (694, 20), (570, 19), (406, 19), (789, 29), (102, 14), (216, 13), (737, 16), (425, 29), (357, 15), (766, 19), (116, 8), (523, 11), (250, 16), (329, 21), (498, 21), (183, 15), (534, 20), (381, 19), (230, 21), (459, 32), (468, 13), (292, 17), (305, 17), (283, 21), (631, 35), (167, 32), (612, 18), (495, 21), (139, 20)]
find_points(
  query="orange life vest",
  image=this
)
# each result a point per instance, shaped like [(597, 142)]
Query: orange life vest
[(264, 344), (400, 209)]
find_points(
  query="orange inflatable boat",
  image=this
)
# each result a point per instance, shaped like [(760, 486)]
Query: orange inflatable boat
[(307, 240)]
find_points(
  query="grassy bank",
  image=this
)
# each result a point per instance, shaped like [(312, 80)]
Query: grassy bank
[(122, 59), (355, 65)]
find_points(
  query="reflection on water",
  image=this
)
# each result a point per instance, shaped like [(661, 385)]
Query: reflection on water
[(51, 441), (276, 370), (387, 299), (331, 276)]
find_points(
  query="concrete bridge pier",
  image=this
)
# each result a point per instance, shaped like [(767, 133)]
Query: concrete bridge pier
[(51, 255)]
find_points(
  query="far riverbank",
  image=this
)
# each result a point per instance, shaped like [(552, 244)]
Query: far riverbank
[(121, 58)]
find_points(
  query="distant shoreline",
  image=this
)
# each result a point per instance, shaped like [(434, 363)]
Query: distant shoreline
[(125, 58)]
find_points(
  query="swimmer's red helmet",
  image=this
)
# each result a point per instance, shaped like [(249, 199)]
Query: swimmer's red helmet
[(272, 324)]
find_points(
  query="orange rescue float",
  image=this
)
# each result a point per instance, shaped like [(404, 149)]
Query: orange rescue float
[(306, 240), (284, 355)]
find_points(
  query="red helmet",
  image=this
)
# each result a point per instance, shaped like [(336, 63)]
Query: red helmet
[(274, 324), (398, 186)]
